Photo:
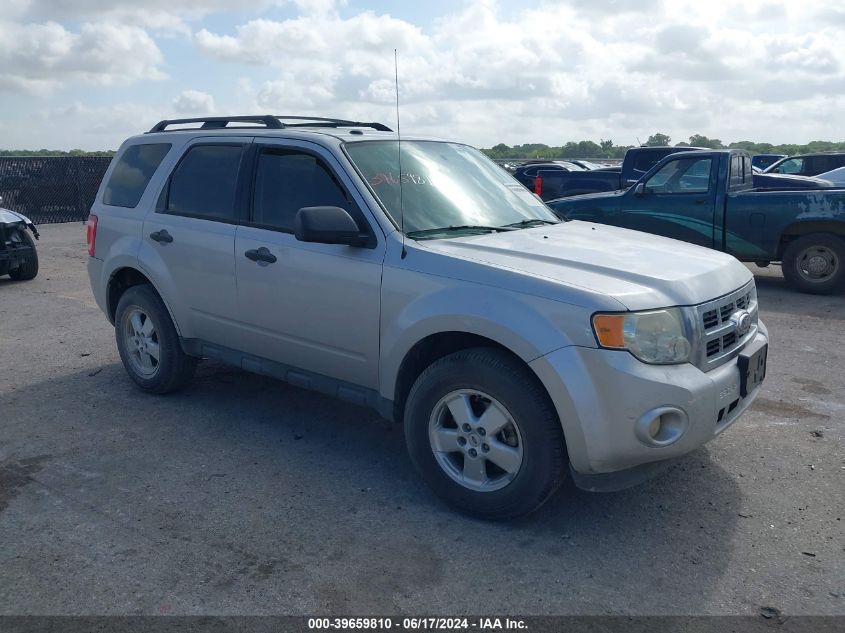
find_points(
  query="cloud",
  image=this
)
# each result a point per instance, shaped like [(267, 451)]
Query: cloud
[(482, 71), (37, 58), (194, 102)]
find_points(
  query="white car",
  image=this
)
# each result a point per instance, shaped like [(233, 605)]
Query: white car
[(836, 176)]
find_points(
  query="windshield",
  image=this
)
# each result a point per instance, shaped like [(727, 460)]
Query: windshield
[(444, 185)]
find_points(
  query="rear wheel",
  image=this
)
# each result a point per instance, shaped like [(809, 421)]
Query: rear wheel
[(815, 263), (28, 268), (484, 435), (148, 343)]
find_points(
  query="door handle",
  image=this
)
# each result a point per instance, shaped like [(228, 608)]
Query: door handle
[(700, 201), (162, 236), (262, 254)]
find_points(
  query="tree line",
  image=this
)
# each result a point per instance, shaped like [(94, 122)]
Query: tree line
[(608, 149)]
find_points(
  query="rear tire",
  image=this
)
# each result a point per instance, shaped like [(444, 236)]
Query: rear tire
[(506, 471), (815, 263), (28, 269), (148, 343)]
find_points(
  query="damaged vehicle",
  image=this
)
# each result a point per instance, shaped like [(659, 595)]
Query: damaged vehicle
[(18, 257)]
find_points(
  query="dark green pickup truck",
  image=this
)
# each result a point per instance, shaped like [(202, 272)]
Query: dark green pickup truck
[(707, 198)]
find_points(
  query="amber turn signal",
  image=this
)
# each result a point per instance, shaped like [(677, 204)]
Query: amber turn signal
[(609, 329)]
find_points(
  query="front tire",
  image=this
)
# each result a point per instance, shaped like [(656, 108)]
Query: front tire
[(148, 343), (815, 263), (484, 435), (28, 269)]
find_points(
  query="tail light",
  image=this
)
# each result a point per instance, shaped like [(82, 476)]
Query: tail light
[(538, 185), (92, 234)]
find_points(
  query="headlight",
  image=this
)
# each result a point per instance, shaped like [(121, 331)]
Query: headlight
[(656, 336)]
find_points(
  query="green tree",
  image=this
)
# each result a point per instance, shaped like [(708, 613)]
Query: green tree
[(699, 140), (658, 140)]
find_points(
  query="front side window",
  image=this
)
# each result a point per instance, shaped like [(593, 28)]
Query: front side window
[(288, 180), (791, 166), (204, 182), (132, 174), (684, 175), (444, 186)]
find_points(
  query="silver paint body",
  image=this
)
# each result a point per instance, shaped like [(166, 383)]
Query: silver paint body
[(352, 314)]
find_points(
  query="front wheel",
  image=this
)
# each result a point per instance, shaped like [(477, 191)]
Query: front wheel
[(815, 263), (484, 434), (148, 343)]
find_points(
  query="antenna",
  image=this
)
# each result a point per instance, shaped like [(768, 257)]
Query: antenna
[(399, 153)]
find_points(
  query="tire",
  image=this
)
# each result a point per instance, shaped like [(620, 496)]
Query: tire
[(530, 446), (143, 328), (28, 269), (815, 263)]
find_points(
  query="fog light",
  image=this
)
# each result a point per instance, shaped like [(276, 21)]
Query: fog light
[(661, 426)]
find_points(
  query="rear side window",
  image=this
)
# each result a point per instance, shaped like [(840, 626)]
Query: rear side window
[(645, 161), (132, 174), (288, 180), (204, 182)]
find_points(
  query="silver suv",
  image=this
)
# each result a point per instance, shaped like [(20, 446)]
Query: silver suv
[(419, 278)]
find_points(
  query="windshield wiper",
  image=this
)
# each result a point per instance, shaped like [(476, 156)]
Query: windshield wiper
[(456, 228), (523, 224)]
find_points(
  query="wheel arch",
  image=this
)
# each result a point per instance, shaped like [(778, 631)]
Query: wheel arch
[(123, 278), (799, 229)]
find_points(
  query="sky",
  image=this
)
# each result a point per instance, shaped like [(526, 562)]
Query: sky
[(89, 73)]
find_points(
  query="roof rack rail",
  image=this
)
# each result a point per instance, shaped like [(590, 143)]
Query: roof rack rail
[(217, 122), (269, 121), (324, 122)]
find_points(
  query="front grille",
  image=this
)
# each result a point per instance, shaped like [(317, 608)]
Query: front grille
[(720, 340), (716, 316)]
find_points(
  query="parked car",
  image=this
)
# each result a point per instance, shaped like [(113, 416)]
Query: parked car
[(18, 256), (808, 164), (514, 347), (835, 176), (709, 199), (787, 181), (527, 172), (584, 164), (762, 161), (637, 161)]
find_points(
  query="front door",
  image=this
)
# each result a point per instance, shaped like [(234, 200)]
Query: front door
[(310, 306), (678, 201)]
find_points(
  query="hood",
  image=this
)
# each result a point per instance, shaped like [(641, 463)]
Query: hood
[(562, 202), (639, 270), (8, 216), (789, 181)]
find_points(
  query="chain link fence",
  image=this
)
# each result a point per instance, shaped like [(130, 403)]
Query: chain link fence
[(51, 188)]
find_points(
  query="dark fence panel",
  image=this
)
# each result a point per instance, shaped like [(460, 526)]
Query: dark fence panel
[(51, 188)]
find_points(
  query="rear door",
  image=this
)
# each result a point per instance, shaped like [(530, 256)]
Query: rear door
[(678, 201), (189, 240), (311, 306)]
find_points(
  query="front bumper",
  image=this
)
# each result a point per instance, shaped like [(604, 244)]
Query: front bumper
[(602, 395)]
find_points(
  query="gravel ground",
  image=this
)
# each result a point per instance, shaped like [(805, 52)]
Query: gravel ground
[(242, 495)]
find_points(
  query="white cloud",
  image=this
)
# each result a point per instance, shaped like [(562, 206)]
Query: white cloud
[(37, 58), (194, 102), (551, 71)]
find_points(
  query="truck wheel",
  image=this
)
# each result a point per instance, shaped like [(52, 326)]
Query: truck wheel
[(484, 434), (28, 269), (815, 263), (148, 343)]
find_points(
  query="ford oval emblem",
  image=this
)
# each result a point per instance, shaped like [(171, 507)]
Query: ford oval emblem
[(742, 322)]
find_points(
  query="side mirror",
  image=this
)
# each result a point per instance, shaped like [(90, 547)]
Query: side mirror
[(639, 189), (327, 225)]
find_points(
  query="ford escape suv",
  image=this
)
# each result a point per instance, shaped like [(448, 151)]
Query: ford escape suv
[(417, 277)]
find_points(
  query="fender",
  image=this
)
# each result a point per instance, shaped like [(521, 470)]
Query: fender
[(523, 324)]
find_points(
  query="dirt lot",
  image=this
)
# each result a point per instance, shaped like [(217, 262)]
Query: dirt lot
[(242, 495)]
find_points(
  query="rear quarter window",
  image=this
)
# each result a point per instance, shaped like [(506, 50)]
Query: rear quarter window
[(132, 174)]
